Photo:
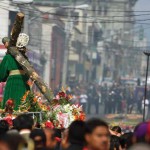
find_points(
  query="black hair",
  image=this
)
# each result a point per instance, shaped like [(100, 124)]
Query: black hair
[(41, 142), (76, 132), (117, 129), (13, 140), (93, 123), (4, 127), (126, 140), (57, 133), (114, 142), (23, 121)]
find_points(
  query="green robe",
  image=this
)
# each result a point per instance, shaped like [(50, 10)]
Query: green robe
[(16, 85)]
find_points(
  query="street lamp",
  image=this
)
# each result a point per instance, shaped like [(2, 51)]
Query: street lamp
[(147, 53)]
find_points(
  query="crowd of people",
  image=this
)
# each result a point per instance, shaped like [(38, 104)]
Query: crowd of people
[(115, 99), (93, 134)]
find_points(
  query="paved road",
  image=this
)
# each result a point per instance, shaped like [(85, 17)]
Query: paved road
[(93, 114)]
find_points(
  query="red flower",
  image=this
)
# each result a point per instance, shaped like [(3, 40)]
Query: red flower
[(48, 108), (62, 94), (49, 124), (85, 148), (10, 102), (55, 101), (30, 83), (82, 117), (69, 97), (58, 139), (9, 120)]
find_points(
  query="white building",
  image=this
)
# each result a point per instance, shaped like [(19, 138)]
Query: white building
[(4, 21)]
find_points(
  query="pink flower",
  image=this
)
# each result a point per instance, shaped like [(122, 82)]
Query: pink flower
[(56, 107), (63, 119), (57, 97)]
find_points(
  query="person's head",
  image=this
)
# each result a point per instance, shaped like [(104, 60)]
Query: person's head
[(115, 143), (126, 140), (97, 134), (4, 127), (117, 130), (76, 132), (5, 41), (39, 138), (142, 133), (64, 142), (4, 145), (12, 141), (23, 121), (57, 135), (50, 138), (15, 140), (140, 146)]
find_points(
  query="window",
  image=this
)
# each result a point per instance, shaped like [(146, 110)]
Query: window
[(105, 10), (100, 10)]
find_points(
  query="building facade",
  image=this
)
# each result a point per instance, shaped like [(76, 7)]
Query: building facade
[(116, 19)]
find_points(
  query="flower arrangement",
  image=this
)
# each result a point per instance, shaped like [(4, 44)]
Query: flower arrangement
[(60, 113), (30, 103), (63, 112), (9, 106)]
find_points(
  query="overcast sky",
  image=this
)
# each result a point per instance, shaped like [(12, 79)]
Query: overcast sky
[(144, 5)]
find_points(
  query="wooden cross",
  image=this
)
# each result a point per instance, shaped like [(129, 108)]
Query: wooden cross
[(27, 67)]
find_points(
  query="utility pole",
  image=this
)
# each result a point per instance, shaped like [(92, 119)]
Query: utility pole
[(26, 21), (92, 39), (66, 50)]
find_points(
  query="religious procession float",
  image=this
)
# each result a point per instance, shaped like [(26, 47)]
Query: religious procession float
[(20, 76)]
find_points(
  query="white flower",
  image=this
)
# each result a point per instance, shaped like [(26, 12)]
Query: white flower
[(67, 108)]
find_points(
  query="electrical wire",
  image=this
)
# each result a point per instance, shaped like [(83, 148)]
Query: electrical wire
[(106, 21), (27, 8), (86, 22)]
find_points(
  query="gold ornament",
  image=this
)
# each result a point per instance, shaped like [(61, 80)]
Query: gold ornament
[(34, 76), (43, 89)]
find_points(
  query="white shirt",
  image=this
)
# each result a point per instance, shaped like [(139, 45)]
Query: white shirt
[(25, 131), (146, 103), (83, 98)]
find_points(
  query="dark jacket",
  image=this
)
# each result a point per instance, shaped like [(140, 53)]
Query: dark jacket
[(75, 147)]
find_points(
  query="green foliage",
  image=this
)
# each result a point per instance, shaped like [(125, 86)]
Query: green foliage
[(29, 103)]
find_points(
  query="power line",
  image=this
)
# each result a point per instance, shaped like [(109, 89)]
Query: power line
[(105, 21), (110, 10), (73, 16), (52, 19), (26, 7)]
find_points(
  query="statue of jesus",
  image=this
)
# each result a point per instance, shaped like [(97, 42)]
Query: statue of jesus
[(14, 76)]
